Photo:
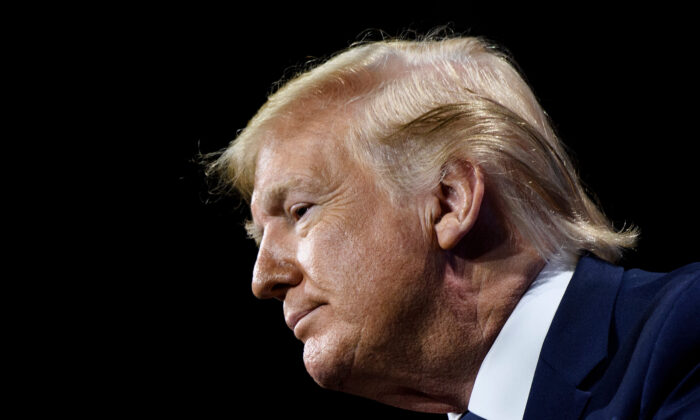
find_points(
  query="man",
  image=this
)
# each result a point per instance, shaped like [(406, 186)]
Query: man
[(434, 249)]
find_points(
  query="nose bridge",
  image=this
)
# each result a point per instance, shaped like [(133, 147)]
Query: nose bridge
[(275, 269)]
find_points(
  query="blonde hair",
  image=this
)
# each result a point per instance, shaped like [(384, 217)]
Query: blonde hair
[(414, 106)]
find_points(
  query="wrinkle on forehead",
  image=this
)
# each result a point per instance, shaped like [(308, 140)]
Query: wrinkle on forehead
[(320, 137), (299, 157)]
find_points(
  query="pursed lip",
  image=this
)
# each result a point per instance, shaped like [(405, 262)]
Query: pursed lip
[(293, 319)]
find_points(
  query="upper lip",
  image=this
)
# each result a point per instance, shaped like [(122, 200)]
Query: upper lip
[(295, 316)]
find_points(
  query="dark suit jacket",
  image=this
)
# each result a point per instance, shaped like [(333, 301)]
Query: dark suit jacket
[(622, 345)]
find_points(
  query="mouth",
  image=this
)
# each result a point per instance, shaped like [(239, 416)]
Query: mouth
[(294, 319)]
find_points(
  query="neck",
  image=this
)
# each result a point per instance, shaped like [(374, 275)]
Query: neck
[(472, 290), (481, 295), (484, 277), (474, 303)]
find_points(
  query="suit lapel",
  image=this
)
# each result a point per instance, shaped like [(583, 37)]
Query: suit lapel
[(576, 342)]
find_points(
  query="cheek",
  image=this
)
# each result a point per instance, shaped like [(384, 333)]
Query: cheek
[(331, 251), (369, 259), (305, 253), (321, 256)]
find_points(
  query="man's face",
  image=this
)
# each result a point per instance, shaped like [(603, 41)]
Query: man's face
[(356, 272)]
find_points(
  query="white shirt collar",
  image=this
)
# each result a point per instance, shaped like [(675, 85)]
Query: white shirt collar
[(503, 383)]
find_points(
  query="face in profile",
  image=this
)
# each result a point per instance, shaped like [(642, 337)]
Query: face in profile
[(355, 270)]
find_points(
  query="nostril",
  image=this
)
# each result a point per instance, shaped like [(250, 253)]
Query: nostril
[(274, 273), (273, 286), (279, 290)]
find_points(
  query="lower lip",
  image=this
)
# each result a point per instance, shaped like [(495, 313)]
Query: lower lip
[(304, 318)]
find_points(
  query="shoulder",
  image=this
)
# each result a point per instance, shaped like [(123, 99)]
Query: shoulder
[(634, 294), (660, 313), (684, 275), (651, 297), (662, 306), (628, 340)]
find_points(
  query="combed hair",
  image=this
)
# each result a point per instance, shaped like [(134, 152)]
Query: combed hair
[(413, 106)]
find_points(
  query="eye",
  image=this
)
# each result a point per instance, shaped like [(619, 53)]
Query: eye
[(299, 210)]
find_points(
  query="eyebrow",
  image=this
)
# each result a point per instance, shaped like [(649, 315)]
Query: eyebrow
[(253, 231), (278, 192), (274, 196)]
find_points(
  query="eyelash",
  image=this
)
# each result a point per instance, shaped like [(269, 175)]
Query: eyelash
[(298, 211)]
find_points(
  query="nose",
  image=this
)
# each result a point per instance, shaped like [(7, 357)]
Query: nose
[(275, 271)]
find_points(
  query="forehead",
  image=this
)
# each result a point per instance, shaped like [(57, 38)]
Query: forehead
[(302, 148)]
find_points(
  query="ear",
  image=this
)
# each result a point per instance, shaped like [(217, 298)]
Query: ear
[(460, 194)]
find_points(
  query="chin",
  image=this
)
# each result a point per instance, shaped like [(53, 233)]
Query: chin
[(328, 362), (330, 366), (416, 401)]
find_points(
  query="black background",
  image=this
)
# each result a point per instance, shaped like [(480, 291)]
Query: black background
[(184, 334)]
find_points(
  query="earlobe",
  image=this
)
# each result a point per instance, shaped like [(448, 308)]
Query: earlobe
[(461, 192)]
